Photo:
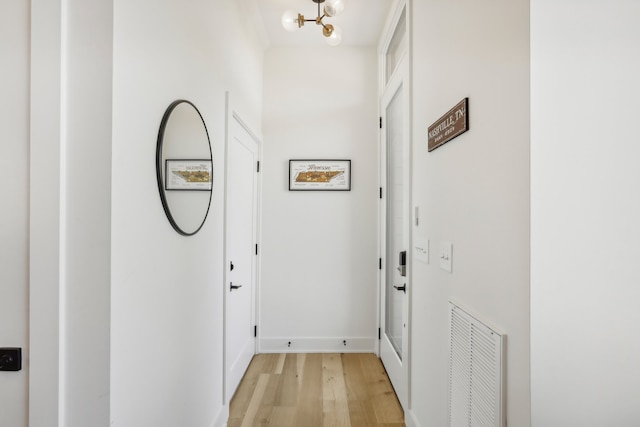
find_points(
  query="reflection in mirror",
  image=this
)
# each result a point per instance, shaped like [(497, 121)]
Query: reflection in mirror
[(184, 167)]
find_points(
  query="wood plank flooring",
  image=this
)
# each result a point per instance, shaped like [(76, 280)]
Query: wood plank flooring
[(315, 390)]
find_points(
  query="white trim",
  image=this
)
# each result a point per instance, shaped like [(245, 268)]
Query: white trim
[(222, 418), (410, 419), (385, 40), (225, 258), (318, 345), (390, 26), (45, 249), (383, 82), (231, 114), (400, 77), (64, 143)]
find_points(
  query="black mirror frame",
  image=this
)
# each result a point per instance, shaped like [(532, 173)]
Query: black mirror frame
[(159, 145)]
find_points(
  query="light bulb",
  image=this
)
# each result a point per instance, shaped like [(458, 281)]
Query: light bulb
[(333, 7), (336, 36), (290, 21)]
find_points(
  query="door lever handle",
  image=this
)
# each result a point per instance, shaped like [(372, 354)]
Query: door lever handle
[(232, 286), (402, 288)]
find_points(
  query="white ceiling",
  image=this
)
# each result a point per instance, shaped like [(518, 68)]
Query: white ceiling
[(361, 22)]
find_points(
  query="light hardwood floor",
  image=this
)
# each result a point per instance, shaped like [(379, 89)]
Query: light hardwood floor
[(315, 390)]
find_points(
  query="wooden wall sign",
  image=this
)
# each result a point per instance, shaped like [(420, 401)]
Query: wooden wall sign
[(455, 122)]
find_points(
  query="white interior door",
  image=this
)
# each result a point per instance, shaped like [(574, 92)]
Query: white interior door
[(394, 345), (241, 265), (395, 250)]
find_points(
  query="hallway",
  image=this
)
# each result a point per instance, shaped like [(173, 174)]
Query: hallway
[(312, 390), (529, 220)]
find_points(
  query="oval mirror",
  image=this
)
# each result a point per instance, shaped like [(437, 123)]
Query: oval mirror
[(184, 167)]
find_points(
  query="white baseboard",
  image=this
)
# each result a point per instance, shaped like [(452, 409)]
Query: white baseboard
[(222, 418), (317, 345), (410, 419)]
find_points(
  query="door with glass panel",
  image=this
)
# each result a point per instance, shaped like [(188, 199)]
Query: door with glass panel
[(395, 215)]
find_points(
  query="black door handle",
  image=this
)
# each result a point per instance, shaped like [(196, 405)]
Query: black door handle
[(402, 288), (232, 286)]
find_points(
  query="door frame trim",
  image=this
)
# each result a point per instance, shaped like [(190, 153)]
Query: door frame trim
[(232, 114), (402, 72)]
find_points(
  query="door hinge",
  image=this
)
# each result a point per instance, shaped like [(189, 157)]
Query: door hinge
[(380, 122), (379, 263), (258, 166), (256, 249), (379, 334), (381, 193), (255, 331)]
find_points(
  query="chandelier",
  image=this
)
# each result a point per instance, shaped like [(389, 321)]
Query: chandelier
[(292, 21)]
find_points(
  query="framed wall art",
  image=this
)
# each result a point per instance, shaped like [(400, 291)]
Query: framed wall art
[(319, 175), (188, 175)]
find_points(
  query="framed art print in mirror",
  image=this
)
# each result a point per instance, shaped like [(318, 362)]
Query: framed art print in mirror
[(188, 175), (319, 175)]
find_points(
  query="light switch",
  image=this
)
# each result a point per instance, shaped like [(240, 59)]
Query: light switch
[(446, 256), (421, 250)]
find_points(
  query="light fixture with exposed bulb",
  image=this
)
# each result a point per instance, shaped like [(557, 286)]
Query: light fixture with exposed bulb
[(292, 21)]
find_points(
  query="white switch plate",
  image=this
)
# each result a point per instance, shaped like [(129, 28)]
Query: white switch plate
[(421, 250), (446, 256)]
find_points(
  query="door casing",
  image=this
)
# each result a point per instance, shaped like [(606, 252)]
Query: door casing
[(235, 122), (398, 370)]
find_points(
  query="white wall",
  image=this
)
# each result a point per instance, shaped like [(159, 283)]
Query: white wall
[(473, 191), (167, 290), (14, 213), (319, 255), (585, 207)]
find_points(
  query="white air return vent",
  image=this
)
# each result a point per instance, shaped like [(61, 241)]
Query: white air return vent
[(475, 372)]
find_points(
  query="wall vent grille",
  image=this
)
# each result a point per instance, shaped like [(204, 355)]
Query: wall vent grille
[(475, 372)]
